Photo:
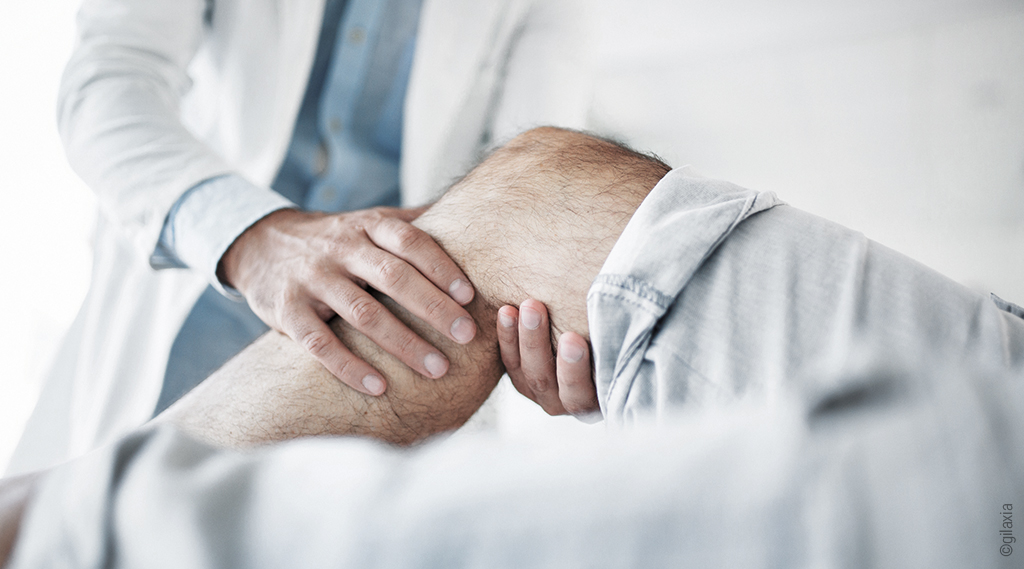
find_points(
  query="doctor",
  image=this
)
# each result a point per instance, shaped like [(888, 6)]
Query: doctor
[(217, 135)]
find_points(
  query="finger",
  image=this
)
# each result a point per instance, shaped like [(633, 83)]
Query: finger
[(410, 213), (508, 344), (317, 338), (508, 338), (538, 362), (413, 245), (576, 388), (372, 319), (403, 283), (404, 213)]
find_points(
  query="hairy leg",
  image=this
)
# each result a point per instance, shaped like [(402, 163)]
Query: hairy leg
[(274, 390), (536, 219)]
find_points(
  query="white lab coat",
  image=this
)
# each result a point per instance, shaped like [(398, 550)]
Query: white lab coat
[(163, 94)]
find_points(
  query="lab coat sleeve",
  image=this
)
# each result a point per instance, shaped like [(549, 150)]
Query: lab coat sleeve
[(206, 221), (119, 110)]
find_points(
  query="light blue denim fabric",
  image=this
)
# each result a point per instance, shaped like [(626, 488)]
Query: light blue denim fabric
[(796, 396), (715, 293), (346, 145), (344, 155), (916, 478)]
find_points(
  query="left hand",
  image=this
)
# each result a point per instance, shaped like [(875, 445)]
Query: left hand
[(560, 386), (297, 269)]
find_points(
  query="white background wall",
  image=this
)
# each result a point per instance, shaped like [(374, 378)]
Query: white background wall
[(901, 118), (45, 212)]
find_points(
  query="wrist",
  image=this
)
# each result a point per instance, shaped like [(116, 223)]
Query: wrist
[(211, 215), (252, 243)]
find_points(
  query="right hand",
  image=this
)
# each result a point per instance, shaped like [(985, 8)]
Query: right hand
[(562, 385), (298, 269)]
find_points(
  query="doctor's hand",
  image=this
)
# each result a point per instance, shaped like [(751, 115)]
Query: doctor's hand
[(298, 269), (561, 385)]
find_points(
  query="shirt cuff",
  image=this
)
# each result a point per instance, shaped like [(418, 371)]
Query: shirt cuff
[(207, 219)]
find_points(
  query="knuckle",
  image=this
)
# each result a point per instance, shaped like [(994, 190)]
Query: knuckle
[(316, 343), (409, 346), (407, 237), (345, 293), (438, 268), (367, 218), (348, 368), (287, 321), (536, 342), (339, 226), (541, 384), (335, 248), (435, 307), (365, 313), (392, 273), (286, 314), (323, 311)]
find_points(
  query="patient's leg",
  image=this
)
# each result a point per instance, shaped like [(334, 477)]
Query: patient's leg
[(534, 220), (274, 391)]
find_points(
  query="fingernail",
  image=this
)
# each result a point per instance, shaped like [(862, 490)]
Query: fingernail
[(506, 320), (463, 330), (436, 365), (531, 318), (461, 291), (373, 384), (570, 352)]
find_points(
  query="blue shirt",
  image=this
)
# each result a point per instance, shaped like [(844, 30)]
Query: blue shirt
[(344, 154), (345, 148)]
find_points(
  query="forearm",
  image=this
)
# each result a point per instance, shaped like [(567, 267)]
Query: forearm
[(274, 391)]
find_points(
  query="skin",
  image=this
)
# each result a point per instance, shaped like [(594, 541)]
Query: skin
[(522, 339), (554, 203), (299, 269), (275, 390), (487, 223)]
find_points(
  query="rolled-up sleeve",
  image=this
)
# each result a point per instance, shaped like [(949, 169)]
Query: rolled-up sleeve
[(207, 220), (715, 293), (675, 230)]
